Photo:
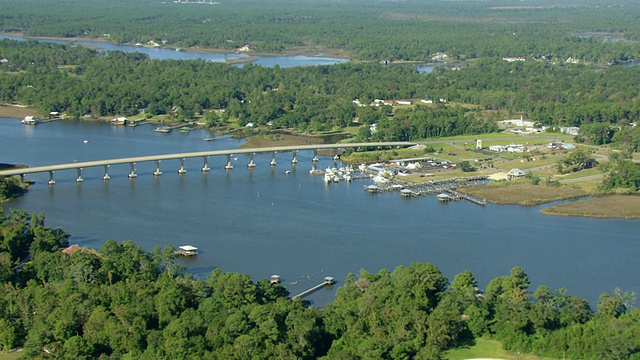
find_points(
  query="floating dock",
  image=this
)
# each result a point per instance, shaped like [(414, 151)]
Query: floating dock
[(328, 280)]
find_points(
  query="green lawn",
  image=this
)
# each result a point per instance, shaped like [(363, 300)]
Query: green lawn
[(9, 356), (487, 349)]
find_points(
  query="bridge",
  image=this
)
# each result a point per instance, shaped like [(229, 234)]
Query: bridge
[(132, 161)]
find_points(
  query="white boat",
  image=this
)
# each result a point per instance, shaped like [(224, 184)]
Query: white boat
[(328, 177), (380, 179), (163, 129), (288, 172), (347, 177)]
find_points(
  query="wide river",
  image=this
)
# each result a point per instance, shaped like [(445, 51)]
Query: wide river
[(263, 221)]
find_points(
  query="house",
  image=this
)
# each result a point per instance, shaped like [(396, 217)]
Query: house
[(244, 48), (403, 102), (515, 174), (571, 130)]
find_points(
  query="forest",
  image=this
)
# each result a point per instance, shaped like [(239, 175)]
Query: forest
[(124, 302), (594, 31), (82, 82)]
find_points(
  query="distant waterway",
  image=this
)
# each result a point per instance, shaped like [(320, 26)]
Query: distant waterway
[(265, 221), (161, 53)]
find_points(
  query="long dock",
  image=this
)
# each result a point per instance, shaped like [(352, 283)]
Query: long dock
[(459, 195), (327, 281)]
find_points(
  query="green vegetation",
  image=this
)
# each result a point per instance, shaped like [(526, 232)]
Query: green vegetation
[(616, 206), (382, 30), (121, 301), (527, 193), (11, 187)]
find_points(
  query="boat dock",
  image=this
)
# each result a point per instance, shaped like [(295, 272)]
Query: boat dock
[(435, 187), (328, 280), (187, 250), (458, 195)]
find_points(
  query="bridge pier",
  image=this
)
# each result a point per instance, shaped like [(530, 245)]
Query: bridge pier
[(315, 155), (228, 166), (182, 170), (79, 178), (106, 173), (206, 167), (294, 160), (251, 164), (51, 181), (157, 172), (132, 174), (273, 159)]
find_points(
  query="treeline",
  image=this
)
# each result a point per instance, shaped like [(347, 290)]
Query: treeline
[(81, 82), (410, 30), (121, 301)]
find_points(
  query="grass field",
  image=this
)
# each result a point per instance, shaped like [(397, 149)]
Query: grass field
[(487, 349), (10, 356), (616, 206), (523, 193)]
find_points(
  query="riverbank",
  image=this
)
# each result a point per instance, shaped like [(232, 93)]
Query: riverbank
[(614, 206)]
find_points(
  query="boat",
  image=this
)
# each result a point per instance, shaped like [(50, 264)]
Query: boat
[(328, 177), (288, 172), (86, 141), (163, 129), (209, 139), (30, 120), (380, 179)]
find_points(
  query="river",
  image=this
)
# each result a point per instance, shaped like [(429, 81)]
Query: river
[(263, 221), (161, 53)]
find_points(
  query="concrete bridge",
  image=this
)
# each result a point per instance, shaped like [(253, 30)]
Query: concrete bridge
[(132, 161)]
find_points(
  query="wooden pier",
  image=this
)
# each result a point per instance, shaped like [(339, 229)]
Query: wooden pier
[(328, 280), (458, 195)]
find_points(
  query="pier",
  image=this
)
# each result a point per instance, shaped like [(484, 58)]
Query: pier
[(328, 280)]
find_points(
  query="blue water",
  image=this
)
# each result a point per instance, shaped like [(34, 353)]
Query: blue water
[(165, 53), (263, 221)]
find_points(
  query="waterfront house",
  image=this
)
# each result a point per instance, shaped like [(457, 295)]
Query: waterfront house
[(515, 174)]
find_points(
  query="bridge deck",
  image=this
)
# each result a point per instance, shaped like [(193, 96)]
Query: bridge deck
[(137, 159)]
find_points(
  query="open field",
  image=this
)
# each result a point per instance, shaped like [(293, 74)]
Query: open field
[(523, 193), (615, 206), (487, 349), (17, 112)]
